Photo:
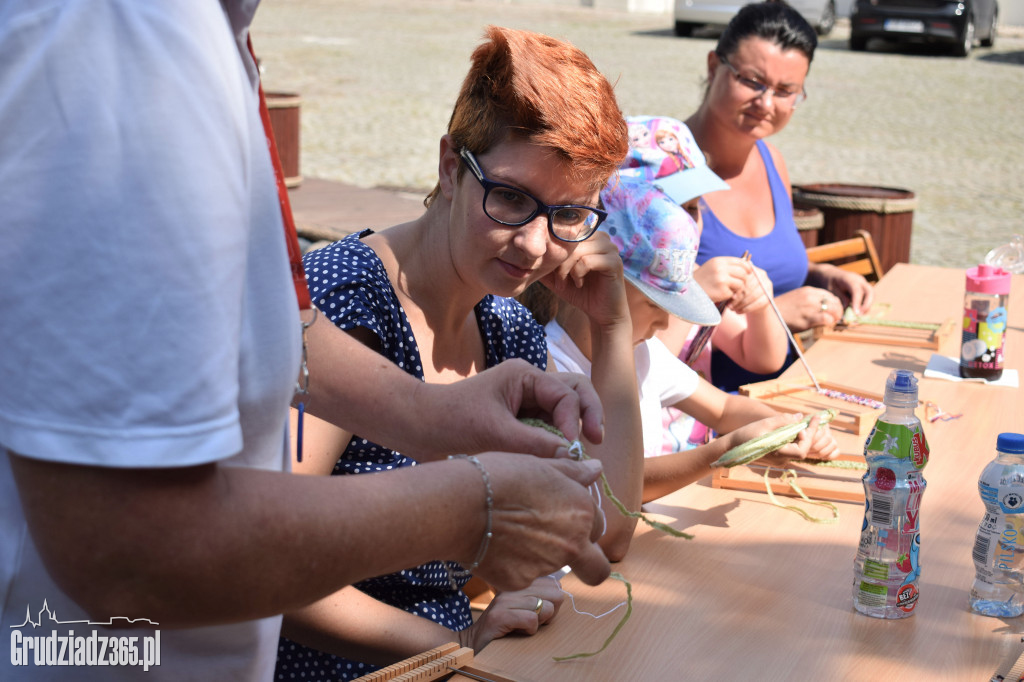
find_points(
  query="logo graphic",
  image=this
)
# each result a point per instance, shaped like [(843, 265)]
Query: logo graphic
[(1012, 501), (62, 647), (906, 598)]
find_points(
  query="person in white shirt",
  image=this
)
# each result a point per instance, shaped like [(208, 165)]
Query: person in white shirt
[(148, 355)]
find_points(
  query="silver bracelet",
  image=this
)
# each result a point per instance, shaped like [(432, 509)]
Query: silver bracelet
[(488, 534)]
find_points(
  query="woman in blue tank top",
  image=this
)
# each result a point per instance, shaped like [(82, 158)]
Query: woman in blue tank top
[(756, 80)]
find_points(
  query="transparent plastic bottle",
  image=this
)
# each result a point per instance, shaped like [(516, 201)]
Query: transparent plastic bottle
[(1009, 257), (887, 567), (998, 588)]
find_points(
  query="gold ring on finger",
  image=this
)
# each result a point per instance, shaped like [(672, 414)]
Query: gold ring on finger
[(539, 606)]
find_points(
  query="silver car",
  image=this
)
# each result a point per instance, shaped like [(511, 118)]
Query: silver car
[(692, 14)]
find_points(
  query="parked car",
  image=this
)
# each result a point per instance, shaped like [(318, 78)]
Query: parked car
[(692, 14), (959, 23)]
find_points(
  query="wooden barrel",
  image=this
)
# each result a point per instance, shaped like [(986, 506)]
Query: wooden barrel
[(808, 221), (886, 213), (284, 110)]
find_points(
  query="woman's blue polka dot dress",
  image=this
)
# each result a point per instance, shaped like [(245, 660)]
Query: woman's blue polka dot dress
[(350, 286)]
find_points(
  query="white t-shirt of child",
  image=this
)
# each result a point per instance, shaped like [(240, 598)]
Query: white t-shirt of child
[(663, 379)]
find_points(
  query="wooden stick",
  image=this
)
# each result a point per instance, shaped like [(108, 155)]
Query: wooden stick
[(468, 672), (792, 341), (700, 339)]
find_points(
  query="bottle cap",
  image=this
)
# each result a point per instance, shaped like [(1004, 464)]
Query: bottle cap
[(901, 388), (1012, 443), (988, 279), (1009, 257)]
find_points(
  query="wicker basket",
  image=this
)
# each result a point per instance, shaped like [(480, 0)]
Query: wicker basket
[(886, 213)]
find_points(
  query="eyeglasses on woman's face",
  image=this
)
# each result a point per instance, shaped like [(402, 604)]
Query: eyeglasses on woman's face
[(789, 97), (512, 206)]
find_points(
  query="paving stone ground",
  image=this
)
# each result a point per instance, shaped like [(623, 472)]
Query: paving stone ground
[(378, 78)]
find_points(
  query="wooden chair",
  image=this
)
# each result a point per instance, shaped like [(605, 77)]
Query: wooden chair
[(856, 254)]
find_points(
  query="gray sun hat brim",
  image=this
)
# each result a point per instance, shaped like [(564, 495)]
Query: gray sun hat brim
[(691, 305), (693, 182)]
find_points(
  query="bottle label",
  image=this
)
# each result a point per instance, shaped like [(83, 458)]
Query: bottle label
[(876, 570), (998, 544), (1011, 501), (912, 512), (891, 584), (871, 595), (899, 441), (981, 342)]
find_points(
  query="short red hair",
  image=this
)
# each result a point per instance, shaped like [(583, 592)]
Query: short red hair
[(535, 88)]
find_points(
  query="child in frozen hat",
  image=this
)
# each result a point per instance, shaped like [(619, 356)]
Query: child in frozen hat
[(663, 151), (657, 243)]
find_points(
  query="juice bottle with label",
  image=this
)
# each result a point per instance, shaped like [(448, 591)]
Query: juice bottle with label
[(887, 567)]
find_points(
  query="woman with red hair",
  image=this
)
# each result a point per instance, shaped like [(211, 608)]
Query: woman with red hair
[(534, 136)]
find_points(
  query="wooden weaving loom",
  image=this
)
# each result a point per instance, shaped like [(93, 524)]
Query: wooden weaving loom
[(840, 481), (447, 659), (796, 395), (818, 482), (865, 332)]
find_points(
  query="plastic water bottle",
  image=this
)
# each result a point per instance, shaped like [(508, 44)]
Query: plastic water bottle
[(887, 567), (1009, 257), (998, 588)]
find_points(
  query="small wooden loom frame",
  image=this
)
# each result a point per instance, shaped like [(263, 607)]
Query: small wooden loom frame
[(817, 482), (797, 395), (430, 665), (865, 332), (447, 659)]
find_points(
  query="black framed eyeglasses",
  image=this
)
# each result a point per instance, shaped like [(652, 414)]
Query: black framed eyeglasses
[(790, 98), (513, 207)]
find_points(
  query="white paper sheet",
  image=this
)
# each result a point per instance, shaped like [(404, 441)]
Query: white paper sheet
[(942, 367)]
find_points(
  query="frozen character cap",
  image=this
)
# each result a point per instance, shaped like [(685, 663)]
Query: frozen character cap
[(662, 151), (657, 241)]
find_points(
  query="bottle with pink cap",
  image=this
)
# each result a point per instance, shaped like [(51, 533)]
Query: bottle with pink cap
[(984, 324)]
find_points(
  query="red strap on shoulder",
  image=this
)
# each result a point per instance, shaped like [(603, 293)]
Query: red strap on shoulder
[(290, 233)]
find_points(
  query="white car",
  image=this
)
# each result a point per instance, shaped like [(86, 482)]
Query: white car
[(691, 14)]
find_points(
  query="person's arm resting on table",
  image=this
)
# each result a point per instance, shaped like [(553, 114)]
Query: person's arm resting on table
[(738, 419), (354, 625)]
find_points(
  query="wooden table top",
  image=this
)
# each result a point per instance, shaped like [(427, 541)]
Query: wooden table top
[(762, 594)]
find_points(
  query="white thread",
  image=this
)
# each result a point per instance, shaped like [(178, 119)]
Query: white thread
[(595, 490), (576, 452), (587, 613)]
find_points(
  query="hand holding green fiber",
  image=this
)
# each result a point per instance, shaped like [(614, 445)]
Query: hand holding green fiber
[(576, 451), (767, 443)]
